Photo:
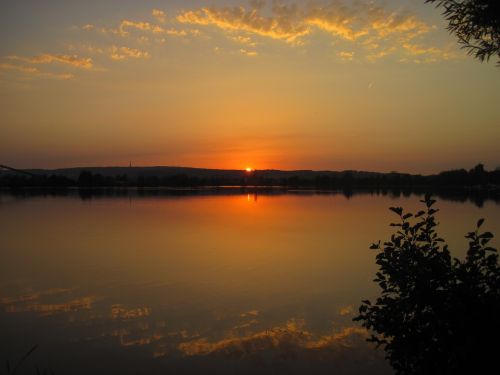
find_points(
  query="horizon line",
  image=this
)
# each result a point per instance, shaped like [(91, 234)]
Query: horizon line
[(3, 166)]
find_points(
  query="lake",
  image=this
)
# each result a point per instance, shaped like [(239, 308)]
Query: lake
[(216, 282)]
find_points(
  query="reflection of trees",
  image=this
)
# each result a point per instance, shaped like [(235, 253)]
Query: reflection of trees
[(459, 195), (436, 314)]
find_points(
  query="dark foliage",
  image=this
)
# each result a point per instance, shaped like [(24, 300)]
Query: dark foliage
[(474, 179), (476, 23), (435, 314)]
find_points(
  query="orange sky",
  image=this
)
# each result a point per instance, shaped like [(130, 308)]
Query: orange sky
[(289, 85)]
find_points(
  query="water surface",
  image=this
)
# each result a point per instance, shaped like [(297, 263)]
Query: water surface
[(232, 283)]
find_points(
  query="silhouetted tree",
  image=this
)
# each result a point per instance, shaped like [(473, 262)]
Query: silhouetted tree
[(476, 23), (436, 314), (85, 179)]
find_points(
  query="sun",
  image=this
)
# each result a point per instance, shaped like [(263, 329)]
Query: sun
[(248, 169)]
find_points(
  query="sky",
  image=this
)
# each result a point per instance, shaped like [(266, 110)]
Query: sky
[(337, 85)]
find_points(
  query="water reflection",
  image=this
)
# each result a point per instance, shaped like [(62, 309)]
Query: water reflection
[(462, 195), (286, 348), (242, 282)]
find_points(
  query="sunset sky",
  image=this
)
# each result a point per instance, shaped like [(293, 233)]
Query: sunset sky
[(368, 85)]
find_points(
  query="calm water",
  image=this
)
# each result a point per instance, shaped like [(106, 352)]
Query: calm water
[(238, 283)]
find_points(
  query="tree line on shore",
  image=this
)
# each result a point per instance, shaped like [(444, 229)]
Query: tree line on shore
[(475, 177)]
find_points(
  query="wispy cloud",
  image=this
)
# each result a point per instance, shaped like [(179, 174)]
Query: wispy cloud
[(381, 53), (403, 24), (123, 53), (244, 40), (19, 68), (34, 72), (126, 25), (159, 15), (346, 55), (289, 22), (429, 54), (72, 60), (285, 23), (376, 29), (248, 53)]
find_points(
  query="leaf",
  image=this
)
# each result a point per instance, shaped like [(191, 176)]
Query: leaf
[(420, 213), (479, 223), (486, 235), (484, 241), (430, 202), (397, 210)]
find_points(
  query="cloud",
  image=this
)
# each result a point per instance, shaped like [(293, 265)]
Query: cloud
[(248, 53), (338, 20), (36, 72), (159, 15), (123, 53), (72, 60), (19, 68), (380, 53), (284, 24), (87, 47), (143, 26), (59, 76), (289, 22), (429, 54), (346, 56), (244, 40), (126, 25), (403, 23), (376, 29)]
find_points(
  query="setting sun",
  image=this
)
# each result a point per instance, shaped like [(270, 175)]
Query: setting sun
[(248, 169)]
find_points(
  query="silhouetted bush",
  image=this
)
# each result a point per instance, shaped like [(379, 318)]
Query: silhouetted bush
[(435, 314)]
